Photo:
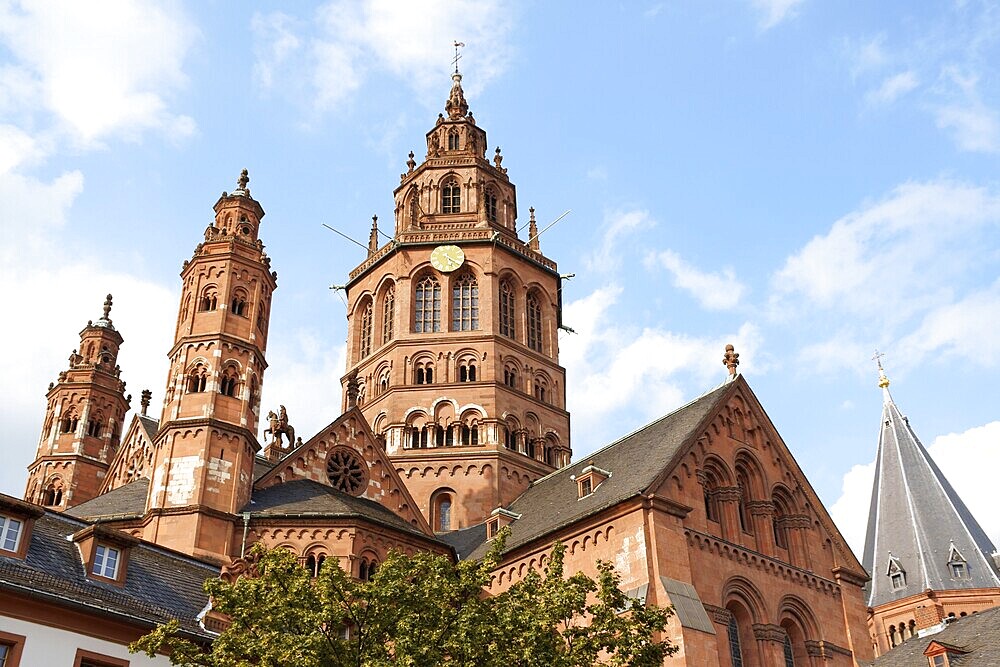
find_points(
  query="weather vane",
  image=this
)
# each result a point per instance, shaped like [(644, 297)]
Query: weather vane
[(458, 56)]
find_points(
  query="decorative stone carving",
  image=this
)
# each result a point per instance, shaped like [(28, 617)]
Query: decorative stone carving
[(731, 359), (761, 507), (768, 632), (279, 426), (719, 614)]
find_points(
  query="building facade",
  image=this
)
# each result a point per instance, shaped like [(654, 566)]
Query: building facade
[(454, 425)]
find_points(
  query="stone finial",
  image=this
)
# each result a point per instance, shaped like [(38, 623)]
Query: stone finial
[(373, 237), (107, 308), (353, 389), (533, 231), (731, 360), (411, 164), (456, 106), (147, 396), (241, 182)]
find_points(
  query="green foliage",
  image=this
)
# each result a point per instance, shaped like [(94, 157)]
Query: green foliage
[(420, 611)]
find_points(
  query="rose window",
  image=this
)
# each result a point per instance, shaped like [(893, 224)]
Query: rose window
[(347, 471)]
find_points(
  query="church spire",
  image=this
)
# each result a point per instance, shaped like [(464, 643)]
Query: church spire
[(917, 522)]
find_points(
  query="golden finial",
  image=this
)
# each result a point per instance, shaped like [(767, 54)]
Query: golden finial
[(883, 381)]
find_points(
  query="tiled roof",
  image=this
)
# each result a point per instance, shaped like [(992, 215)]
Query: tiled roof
[(159, 584), (917, 516), (261, 467), (302, 498), (979, 634), (124, 502), (465, 541), (634, 462)]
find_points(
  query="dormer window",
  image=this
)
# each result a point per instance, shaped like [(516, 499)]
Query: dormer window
[(10, 533), (896, 573), (956, 563), (16, 519), (589, 480), (498, 519), (898, 580), (106, 560), (940, 654), (104, 552)]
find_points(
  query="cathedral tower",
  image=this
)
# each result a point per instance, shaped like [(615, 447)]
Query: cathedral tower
[(453, 351), (205, 447), (928, 557), (83, 421)]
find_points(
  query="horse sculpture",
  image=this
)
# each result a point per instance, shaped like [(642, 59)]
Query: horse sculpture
[(279, 426)]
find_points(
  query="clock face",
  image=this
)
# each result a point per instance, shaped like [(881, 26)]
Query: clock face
[(447, 258)]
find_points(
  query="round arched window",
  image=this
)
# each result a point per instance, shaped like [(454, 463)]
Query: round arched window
[(347, 471)]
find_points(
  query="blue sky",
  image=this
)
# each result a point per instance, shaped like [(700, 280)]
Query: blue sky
[(809, 181)]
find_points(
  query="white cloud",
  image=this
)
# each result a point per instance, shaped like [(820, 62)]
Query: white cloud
[(714, 291), (773, 12), (866, 56), (101, 69), (616, 225), (634, 375), (974, 126), (893, 88), (327, 58), (966, 328), (952, 453), (896, 251)]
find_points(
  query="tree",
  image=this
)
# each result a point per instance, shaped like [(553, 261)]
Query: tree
[(418, 611)]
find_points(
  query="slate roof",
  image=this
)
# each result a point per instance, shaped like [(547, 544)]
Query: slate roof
[(465, 541), (979, 634), (122, 503), (261, 467), (916, 515), (634, 462), (304, 498), (150, 426), (159, 584)]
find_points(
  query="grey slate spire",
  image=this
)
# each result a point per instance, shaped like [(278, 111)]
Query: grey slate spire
[(920, 534)]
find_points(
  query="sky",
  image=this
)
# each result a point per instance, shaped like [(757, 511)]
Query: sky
[(810, 181)]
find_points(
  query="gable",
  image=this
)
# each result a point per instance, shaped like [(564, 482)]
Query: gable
[(135, 455), (738, 453), (346, 456)]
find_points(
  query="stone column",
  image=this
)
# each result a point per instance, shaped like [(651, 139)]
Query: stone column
[(728, 501), (762, 516), (797, 527), (770, 643)]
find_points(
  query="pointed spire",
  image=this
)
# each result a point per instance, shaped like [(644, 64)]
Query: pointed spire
[(373, 237), (533, 231), (731, 359), (456, 106), (918, 518)]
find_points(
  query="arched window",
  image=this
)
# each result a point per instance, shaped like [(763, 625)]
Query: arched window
[(388, 313), (735, 650), (418, 437), (383, 381), (260, 318), (367, 569), (442, 512), (366, 330), (186, 310), (509, 438), (467, 371), (451, 197), (465, 304), (254, 390), (510, 376), (469, 435), (197, 379), (427, 306), (789, 655), (506, 309), (534, 323), (490, 201), (314, 563), (541, 386), (94, 426), (69, 423), (423, 373), (453, 140), (711, 503), (778, 522), (230, 379), (52, 495), (239, 305), (209, 299), (746, 522)]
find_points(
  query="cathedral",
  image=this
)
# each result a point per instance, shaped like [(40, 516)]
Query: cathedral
[(453, 425)]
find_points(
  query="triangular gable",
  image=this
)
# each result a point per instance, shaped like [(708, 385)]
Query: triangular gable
[(738, 411), (954, 555), (893, 566), (134, 456), (937, 648), (330, 451)]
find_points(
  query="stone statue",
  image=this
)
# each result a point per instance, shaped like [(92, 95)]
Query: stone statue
[(279, 426)]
